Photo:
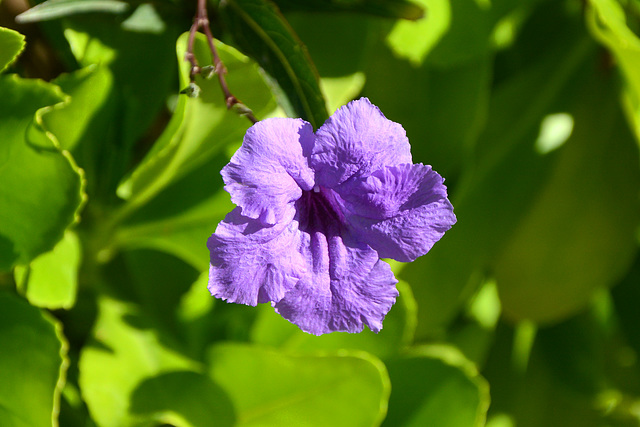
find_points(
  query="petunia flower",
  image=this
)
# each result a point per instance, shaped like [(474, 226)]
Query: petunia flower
[(316, 212)]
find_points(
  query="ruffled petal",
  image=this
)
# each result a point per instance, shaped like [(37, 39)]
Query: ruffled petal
[(400, 211), (251, 263), (269, 171), (346, 288), (355, 141)]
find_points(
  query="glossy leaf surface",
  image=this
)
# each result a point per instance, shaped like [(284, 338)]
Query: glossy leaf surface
[(32, 364), (262, 33), (11, 44), (41, 201), (298, 389)]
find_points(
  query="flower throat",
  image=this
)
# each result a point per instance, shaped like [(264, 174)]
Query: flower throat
[(319, 211)]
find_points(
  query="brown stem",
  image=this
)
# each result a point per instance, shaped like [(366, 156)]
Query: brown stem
[(201, 21)]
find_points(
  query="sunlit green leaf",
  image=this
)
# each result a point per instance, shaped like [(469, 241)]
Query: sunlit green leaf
[(452, 33), (414, 40), (273, 388), (53, 9), (340, 90), (32, 364), (262, 33), (606, 20), (84, 125), (11, 44), (42, 187), (83, 119), (51, 280), (125, 351), (436, 386), (145, 19)]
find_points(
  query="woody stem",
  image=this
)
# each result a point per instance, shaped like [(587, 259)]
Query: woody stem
[(201, 22)]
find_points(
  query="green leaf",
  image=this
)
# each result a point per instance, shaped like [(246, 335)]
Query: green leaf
[(32, 364), (197, 302), (445, 121), (534, 395), (474, 331), (145, 19), (157, 290), (357, 36), (194, 314), (51, 280), (578, 372), (453, 33), (262, 33), (274, 388), (567, 245), (183, 398), (575, 350), (607, 22), (181, 233), (398, 9), (625, 295), (468, 35), (42, 188), (53, 9), (503, 160), (160, 285), (125, 351), (129, 105), (340, 90), (11, 44), (83, 119), (436, 386), (397, 333), (84, 125), (414, 40)]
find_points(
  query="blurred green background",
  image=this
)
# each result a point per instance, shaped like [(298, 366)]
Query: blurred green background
[(527, 312)]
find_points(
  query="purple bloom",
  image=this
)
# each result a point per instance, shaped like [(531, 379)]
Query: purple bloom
[(315, 214)]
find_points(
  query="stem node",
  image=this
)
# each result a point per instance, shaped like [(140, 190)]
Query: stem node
[(201, 22)]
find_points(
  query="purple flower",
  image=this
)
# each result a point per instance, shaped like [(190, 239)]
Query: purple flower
[(315, 214)]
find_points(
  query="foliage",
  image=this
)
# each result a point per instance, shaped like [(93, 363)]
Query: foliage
[(524, 314)]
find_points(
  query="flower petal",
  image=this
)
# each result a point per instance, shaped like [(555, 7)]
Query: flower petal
[(400, 211), (251, 263), (269, 171), (346, 288), (356, 140)]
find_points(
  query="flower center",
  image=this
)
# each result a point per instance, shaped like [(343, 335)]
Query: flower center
[(319, 211)]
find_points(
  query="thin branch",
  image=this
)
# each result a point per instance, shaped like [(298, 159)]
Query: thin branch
[(201, 21)]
